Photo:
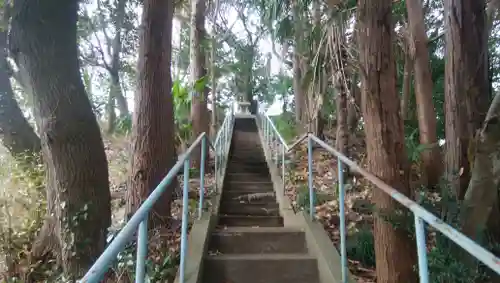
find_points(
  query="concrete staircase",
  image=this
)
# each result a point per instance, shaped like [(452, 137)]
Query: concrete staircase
[(250, 243)]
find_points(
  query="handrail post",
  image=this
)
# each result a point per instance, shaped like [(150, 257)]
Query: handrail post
[(343, 251), (216, 169), (276, 148), (142, 251), (423, 269), (202, 175), (283, 168), (310, 179), (184, 225)]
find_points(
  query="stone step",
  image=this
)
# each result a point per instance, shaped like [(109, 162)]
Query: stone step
[(245, 240), (249, 160), (261, 268), (248, 185), (242, 208), (244, 176), (249, 188), (249, 196), (250, 221), (238, 169)]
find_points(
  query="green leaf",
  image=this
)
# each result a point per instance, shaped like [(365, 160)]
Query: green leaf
[(200, 84)]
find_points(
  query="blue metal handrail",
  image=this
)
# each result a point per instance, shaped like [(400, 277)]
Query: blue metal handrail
[(139, 219), (421, 215)]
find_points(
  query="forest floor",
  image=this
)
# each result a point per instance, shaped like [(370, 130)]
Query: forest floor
[(358, 204), (19, 197)]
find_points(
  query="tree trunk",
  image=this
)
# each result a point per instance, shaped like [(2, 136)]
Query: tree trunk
[(342, 130), (466, 84), (407, 72), (16, 133), (69, 130), (153, 131), (116, 94), (394, 248), (199, 111), (214, 80), (354, 103), (110, 108), (482, 193), (431, 156), (298, 90)]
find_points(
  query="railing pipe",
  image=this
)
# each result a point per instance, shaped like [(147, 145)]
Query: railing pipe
[(423, 268), (343, 249), (460, 239), (202, 176), (271, 124), (310, 178), (142, 251), (97, 270), (283, 167), (184, 224)]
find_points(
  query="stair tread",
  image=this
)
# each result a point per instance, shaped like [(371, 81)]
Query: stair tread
[(249, 216), (235, 182), (258, 230), (269, 256)]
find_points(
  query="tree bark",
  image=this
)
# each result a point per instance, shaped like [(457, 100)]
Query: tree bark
[(153, 131), (298, 90), (17, 135), (395, 250), (431, 156), (116, 96), (482, 193), (354, 106), (466, 85), (407, 72), (213, 74), (199, 110), (69, 130)]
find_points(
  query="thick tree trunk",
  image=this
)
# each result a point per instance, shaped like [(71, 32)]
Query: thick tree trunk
[(394, 248), (153, 131), (482, 193), (466, 89), (199, 111), (69, 130), (431, 156)]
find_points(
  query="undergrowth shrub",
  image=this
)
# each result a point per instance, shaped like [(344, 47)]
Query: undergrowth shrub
[(303, 197), (360, 247), (447, 261), (286, 127), (22, 211)]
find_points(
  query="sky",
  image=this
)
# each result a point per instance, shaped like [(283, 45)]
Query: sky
[(265, 46)]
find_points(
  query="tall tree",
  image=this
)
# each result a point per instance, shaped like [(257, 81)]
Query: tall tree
[(44, 44), (395, 250), (112, 48), (199, 110), (431, 156), (467, 93), (298, 66), (153, 130)]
